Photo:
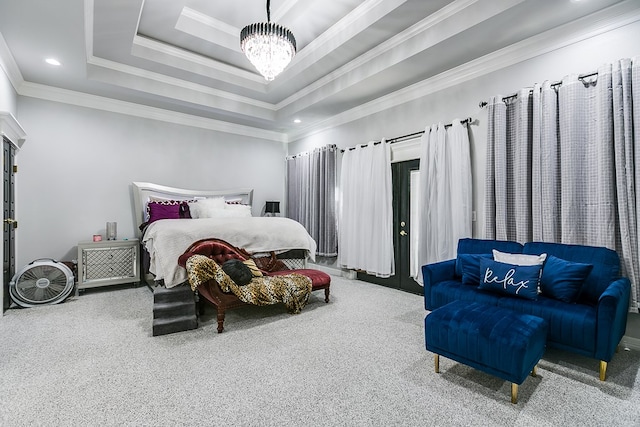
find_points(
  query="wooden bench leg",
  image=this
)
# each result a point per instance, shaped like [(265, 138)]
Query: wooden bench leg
[(326, 295), (220, 320)]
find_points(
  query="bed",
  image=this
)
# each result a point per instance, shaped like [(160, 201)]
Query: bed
[(164, 240)]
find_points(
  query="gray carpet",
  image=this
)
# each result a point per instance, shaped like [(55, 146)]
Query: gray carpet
[(357, 361)]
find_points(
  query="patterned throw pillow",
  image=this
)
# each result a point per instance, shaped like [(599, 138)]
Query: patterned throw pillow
[(510, 279), (167, 209), (255, 271), (163, 210)]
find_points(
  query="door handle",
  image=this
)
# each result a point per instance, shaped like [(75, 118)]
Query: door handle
[(403, 233)]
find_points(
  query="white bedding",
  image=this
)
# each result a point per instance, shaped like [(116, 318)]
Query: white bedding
[(167, 239)]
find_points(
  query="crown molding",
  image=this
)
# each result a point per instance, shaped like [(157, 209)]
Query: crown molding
[(415, 39), (88, 27), (601, 22), (162, 53), (10, 128), (100, 69), (215, 24), (8, 64), (136, 110), (348, 27)]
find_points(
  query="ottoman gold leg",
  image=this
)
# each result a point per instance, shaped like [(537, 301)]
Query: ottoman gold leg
[(603, 370), (514, 393), (436, 362), (534, 371)]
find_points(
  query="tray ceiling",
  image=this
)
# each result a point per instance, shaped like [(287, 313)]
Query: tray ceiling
[(183, 56)]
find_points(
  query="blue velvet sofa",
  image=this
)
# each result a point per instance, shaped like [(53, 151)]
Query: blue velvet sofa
[(592, 325)]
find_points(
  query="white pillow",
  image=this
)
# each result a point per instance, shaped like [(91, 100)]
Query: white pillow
[(241, 210), (199, 207), (519, 259), (223, 213)]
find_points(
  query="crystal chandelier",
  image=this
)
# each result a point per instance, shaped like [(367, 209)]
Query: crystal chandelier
[(269, 46)]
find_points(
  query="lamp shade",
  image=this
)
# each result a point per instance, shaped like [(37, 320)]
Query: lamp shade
[(272, 207)]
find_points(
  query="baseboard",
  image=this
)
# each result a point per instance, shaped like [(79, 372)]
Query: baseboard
[(333, 271), (631, 343)]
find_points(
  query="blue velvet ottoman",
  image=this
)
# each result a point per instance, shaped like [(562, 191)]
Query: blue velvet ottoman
[(492, 339)]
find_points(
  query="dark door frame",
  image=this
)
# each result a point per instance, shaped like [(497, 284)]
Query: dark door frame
[(8, 224)]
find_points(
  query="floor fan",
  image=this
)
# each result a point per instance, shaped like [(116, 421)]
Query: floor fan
[(43, 281)]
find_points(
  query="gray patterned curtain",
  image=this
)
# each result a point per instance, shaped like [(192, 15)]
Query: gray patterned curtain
[(311, 195), (563, 164)]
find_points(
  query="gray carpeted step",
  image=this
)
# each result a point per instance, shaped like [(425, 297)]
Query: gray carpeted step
[(174, 324), (165, 310), (174, 310), (178, 293)]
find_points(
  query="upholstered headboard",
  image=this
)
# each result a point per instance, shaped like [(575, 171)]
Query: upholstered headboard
[(142, 191)]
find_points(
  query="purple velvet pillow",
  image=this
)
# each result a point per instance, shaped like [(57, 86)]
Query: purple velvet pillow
[(158, 210)]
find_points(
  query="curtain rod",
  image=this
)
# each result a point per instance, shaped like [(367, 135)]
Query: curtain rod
[(554, 85), (409, 136)]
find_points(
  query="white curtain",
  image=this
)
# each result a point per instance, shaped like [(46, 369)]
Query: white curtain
[(365, 235), (460, 183), (311, 195), (563, 165), (445, 192)]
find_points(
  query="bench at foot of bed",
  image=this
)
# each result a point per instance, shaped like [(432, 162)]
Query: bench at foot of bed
[(221, 251)]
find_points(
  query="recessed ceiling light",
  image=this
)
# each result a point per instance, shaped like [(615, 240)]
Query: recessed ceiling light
[(52, 61), (297, 121)]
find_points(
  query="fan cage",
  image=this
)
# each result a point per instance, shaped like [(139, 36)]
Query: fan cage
[(41, 282)]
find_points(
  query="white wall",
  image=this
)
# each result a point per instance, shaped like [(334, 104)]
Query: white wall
[(76, 169), (462, 100)]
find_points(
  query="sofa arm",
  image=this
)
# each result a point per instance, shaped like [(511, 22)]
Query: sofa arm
[(611, 312), (436, 273)]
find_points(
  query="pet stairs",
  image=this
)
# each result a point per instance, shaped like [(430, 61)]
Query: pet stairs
[(174, 310)]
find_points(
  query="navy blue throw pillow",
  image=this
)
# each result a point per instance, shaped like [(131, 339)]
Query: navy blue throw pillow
[(509, 279), (468, 266), (562, 279)]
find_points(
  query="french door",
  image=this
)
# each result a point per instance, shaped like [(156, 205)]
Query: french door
[(405, 208)]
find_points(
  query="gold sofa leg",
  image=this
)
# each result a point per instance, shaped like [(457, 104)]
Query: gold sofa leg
[(514, 393), (603, 370), (534, 371), (436, 362)]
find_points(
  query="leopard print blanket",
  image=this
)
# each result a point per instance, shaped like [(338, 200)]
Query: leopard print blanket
[(291, 289)]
